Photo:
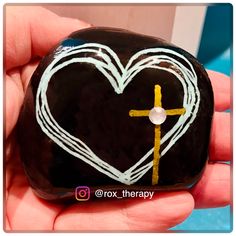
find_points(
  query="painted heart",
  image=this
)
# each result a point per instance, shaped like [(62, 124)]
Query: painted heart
[(84, 121), (119, 77)]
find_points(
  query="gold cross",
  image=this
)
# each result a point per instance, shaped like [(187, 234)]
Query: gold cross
[(157, 137)]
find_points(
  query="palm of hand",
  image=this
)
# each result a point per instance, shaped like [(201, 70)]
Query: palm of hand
[(25, 211)]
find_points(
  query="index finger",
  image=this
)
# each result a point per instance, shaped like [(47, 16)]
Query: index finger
[(221, 85)]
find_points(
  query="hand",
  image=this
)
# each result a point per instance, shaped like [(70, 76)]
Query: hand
[(30, 33)]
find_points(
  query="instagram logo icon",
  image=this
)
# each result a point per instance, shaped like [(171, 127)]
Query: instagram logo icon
[(82, 193)]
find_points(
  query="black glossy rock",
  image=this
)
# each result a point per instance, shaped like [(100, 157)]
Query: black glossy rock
[(85, 105)]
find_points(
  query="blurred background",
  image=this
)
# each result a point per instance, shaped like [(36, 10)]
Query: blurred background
[(203, 30)]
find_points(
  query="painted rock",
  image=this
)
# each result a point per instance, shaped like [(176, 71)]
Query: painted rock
[(111, 109)]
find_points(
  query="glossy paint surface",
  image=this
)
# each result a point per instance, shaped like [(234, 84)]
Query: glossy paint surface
[(84, 103)]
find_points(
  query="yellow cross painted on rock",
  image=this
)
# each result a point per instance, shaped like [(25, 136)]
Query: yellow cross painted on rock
[(157, 137)]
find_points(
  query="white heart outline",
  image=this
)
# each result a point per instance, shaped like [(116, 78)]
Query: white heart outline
[(119, 81)]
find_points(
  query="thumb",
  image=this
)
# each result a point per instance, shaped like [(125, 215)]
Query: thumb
[(31, 31)]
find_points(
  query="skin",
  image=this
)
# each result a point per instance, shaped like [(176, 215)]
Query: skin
[(28, 38)]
